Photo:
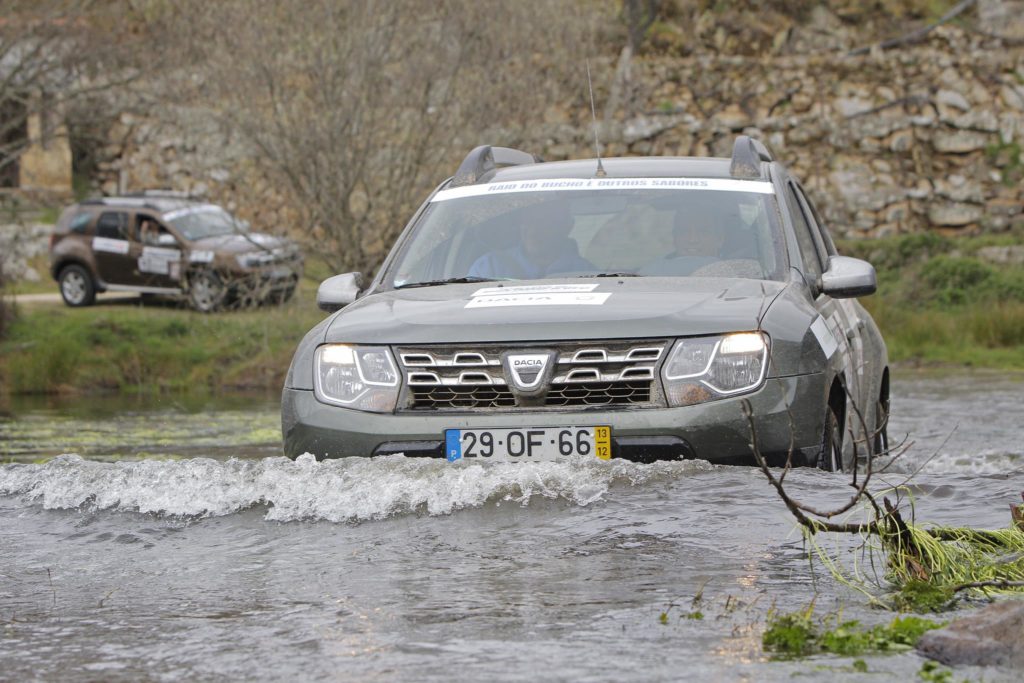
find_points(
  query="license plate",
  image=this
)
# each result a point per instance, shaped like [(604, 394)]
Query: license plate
[(530, 444)]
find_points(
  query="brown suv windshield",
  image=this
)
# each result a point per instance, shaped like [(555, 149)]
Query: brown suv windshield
[(204, 221)]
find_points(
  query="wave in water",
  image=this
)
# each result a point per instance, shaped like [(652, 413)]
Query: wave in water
[(348, 489), (982, 462)]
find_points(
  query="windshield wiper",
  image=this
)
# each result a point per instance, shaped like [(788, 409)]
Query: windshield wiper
[(610, 275), (447, 281)]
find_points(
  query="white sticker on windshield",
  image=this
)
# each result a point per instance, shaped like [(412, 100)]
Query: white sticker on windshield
[(200, 257), (111, 246), (824, 336), (555, 299), (534, 289), (588, 184)]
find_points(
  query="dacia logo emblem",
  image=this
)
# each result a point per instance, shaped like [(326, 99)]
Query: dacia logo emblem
[(526, 371)]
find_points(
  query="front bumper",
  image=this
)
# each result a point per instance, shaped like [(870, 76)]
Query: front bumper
[(787, 411)]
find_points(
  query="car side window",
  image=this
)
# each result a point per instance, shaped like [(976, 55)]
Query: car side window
[(112, 224), (804, 238), (79, 222)]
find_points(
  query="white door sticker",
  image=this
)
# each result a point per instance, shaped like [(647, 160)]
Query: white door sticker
[(111, 246), (157, 260), (564, 299), (824, 336)]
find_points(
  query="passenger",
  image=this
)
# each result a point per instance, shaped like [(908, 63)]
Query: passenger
[(545, 248), (698, 242)]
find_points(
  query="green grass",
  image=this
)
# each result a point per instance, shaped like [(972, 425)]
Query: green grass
[(800, 634), (53, 349), (939, 303)]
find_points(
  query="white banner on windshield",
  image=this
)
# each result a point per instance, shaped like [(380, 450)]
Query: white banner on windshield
[(589, 184)]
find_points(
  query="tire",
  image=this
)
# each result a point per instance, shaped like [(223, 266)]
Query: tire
[(77, 287), (881, 445), (206, 291), (830, 456), (281, 296)]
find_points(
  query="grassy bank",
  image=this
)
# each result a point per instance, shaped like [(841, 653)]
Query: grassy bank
[(945, 301), (54, 349), (941, 301)]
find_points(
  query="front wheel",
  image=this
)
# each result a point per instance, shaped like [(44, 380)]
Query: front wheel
[(206, 291), (76, 286), (830, 457)]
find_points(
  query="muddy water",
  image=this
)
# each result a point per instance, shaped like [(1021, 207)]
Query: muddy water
[(171, 547)]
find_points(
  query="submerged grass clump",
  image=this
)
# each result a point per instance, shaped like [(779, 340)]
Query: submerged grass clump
[(929, 569), (799, 634)]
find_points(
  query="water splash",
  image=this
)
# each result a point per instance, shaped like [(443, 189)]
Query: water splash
[(980, 462), (350, 489)]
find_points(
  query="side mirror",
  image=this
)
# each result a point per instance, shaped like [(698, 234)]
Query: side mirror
[(166, 240), (847, 278), (339, 291)]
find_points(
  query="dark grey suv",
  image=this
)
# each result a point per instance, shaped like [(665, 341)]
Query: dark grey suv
[(539, 311)]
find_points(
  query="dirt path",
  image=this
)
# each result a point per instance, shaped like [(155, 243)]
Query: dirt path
[(52, 298)]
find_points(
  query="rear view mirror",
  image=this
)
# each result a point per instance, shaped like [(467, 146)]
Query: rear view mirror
[(847, 278), (339, 291)]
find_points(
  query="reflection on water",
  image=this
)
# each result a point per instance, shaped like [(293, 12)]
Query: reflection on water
[(126, 426), (247, 568)]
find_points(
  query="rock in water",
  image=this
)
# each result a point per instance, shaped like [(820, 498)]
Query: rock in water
[(994, 636)]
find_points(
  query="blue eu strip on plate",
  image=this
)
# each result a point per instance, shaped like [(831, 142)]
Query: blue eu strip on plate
[(452, 444)]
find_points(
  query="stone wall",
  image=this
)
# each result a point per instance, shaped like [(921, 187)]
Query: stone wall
[(928, 137)]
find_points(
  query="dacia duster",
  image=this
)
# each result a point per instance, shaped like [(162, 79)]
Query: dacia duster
[(165, 243), (623, 308)]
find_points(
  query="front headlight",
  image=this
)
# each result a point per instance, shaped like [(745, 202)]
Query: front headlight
[(254, 259), (707, 368), (357, 377)]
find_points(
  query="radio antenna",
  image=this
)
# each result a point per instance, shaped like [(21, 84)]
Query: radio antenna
[(593, 113)]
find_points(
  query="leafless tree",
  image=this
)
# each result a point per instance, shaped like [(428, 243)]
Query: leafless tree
[(359, 108), (52, 53)]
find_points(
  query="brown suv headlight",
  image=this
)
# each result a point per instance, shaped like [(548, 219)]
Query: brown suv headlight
[(357, 377), (703, 369)]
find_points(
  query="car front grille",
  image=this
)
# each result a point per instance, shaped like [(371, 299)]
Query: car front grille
[(606, 374)]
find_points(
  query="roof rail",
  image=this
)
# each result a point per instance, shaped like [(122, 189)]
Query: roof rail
[(486, 158), (163, 194), (747, 155)]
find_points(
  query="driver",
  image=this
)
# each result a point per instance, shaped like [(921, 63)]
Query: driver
[(698, 242), (149, 232), (544, 249)]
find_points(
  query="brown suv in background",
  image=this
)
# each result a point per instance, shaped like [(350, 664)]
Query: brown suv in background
[(169, 244)]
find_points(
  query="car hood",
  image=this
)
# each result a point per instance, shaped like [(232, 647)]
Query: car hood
[(626, 308), (238, 244)]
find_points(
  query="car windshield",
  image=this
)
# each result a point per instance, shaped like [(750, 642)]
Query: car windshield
[(195, 223), (643, 227)]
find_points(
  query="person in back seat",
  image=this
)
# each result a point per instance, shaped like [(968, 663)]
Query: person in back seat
[(697, 241)]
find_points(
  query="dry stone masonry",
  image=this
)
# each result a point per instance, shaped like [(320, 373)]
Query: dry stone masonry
[(925, 137)]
